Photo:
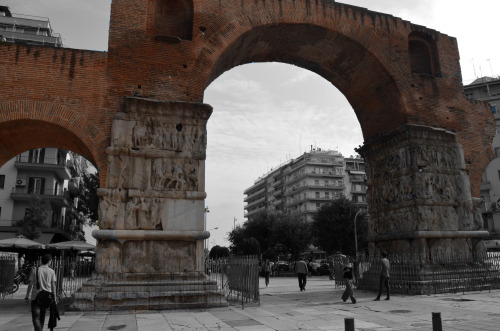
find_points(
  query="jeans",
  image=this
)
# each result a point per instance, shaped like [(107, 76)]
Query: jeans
[(302, 281), (37, 315), (348, 290), (384, 282)]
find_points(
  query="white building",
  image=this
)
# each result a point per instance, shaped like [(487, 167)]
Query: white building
[(488, 89), (301, 186), (45, 172)]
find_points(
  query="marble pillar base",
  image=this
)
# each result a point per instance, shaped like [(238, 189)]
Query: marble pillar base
[(144, 292)]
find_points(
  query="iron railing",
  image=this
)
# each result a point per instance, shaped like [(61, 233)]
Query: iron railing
[(232, 280), (444, 273), (7, 273)]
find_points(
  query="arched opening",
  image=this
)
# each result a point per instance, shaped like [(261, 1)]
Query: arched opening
[(265, 115), (423, 54), (172, 19), (345, 63)]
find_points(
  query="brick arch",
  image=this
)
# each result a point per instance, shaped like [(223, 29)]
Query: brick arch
[(31, 124), (351, 66)]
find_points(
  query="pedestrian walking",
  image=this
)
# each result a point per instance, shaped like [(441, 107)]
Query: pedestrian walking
[(384, 276), (43, 288), (301, 270), (267, 271), (347, 277), (330, 268)]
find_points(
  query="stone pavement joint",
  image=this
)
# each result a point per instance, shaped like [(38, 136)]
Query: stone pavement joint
[(284, 307)]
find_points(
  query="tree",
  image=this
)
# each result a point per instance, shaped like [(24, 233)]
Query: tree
[(292, 232), (32, 222), (258, 228), (333, 227), (218, 252), (88, 201)]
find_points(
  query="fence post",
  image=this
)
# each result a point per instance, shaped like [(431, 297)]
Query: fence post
[(349, 324), (436, 322)]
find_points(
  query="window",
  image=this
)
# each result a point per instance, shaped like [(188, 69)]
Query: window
[(327, 182), (327, 195), (36, 185), (2, 181), (317, 195), (497, 151), (316, 182), (494, 109), (318, 205), (36, 155)]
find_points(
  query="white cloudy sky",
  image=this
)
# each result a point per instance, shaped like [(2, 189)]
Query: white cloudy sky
[(300, 108)]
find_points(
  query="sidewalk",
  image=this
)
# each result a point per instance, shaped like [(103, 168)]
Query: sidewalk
[(284, 307)]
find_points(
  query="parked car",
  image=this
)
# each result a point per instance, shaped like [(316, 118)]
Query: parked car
[(282, 266)]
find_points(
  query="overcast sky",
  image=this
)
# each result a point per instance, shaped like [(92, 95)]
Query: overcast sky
[(301, 108)]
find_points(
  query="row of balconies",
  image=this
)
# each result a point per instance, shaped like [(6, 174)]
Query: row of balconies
[(334, 187), (57, 197)]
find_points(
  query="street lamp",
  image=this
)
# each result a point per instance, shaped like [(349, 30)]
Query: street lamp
[(234, 223), (356, 232), (207, 243)]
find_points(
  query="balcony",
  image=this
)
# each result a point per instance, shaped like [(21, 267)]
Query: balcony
[(59, 167), (254, 203), (56, 197), (254, 212)]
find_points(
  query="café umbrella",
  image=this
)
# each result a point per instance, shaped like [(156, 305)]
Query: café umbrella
[(20, 243), (74, 245)]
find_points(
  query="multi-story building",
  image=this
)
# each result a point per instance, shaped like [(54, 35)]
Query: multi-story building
[(27, 29), (488, 89), (46, 173), (301, 186)]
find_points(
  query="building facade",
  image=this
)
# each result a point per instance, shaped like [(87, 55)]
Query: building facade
[(48, 173), (25, 29), (488, 89), (303, 185)]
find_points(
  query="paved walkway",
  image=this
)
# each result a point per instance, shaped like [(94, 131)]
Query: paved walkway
[(284, 307)]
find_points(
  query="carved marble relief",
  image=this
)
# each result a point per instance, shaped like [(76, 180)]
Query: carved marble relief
[(178, 175), (144, 214), (158, 257), (180, 138)]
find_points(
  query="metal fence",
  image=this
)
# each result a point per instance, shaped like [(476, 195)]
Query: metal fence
[(237, 278), (445, 273), (7, 272), (231, 280)]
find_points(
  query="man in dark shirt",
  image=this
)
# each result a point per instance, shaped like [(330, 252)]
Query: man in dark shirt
[(384, 275), (301, 270), (348, 293)]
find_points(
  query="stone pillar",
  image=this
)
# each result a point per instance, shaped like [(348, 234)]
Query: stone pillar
[(420, 200), (419, 194), (151, 211)]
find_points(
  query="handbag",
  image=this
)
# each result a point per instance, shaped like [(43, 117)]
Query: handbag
[(43, 298)]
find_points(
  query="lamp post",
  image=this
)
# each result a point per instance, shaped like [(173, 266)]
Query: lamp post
[(356, 233), (206, 240), (206, 210), (234, 223)]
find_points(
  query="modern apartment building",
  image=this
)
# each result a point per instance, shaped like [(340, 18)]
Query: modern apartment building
[(301, 186), (25, 29), (47, 173), (488, 89)]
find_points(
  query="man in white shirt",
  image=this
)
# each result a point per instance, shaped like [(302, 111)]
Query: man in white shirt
[(47, 283)]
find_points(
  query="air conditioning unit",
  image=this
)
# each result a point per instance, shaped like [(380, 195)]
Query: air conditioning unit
[(21, 182)]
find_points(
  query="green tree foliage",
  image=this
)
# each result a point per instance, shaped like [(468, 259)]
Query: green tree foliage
[(271, 231), (88, 201), (333, 227), (250, 246), (32, 222), (218, 252), (292, 232)]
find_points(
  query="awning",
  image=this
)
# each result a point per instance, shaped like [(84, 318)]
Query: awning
[(45, 238), (492, 243), (354, 172), (7, 235)]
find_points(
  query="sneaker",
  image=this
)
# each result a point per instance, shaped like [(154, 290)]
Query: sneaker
[(376, 299), (354, 301), (387, 298)]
